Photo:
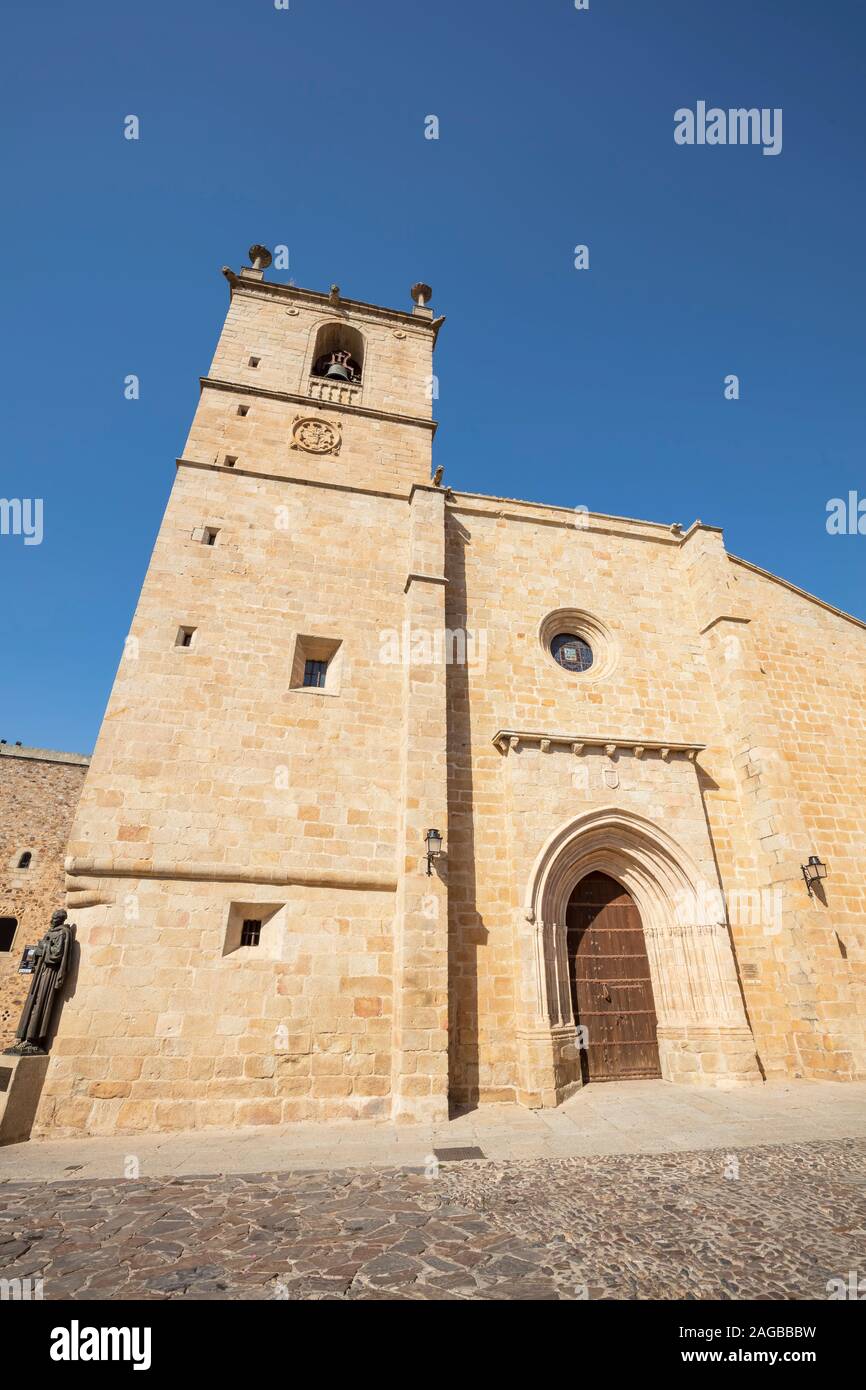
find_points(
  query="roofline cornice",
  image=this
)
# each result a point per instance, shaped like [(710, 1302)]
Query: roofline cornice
[(562, 516), (44, 755), (268, 289), (570, 511), (795, 589)]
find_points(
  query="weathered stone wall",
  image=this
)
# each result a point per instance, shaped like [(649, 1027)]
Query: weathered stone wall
[(510, 566), (384, 423), (39, 791), (170, 1033), (802, 771), (221, 790), (218, 768), (694, 648)]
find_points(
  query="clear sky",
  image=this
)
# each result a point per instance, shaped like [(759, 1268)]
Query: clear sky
[(601, 387)]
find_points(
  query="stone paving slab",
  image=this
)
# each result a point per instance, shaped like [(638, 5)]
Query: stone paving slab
[(774, 1222), (620, 1117)]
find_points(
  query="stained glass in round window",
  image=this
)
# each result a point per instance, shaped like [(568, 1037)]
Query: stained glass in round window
[(571, 652)]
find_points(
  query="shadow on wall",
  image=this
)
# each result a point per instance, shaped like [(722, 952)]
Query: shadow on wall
[(466, 930), (706, 784)]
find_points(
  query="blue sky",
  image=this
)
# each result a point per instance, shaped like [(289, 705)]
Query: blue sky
[(602, 388)]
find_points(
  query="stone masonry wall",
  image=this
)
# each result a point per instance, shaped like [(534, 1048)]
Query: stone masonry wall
[(680, 671), (39, 791), (811, 662), (222, 790), (510, 565)]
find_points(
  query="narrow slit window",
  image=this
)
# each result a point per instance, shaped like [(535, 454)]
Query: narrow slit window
[(209, 535), (26, 859), (230, 460), (251, 931), (254, 361), (185, 636), (243, 410)]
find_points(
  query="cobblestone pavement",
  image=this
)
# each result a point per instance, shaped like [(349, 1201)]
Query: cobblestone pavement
[(785, 1220)]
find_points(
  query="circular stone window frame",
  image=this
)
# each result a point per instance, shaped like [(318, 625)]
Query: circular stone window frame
[(578, 623)]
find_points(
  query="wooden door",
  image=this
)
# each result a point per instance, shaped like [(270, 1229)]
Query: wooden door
[(611, 989)]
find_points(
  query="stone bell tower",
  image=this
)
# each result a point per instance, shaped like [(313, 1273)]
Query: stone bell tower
[(260, 940)]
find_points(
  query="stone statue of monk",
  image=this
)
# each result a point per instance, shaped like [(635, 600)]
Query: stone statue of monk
[(52, 962)]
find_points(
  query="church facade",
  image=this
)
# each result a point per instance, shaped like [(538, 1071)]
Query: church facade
[(406, 796)]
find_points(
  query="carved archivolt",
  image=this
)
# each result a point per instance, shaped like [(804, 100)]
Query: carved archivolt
[(690, 956)]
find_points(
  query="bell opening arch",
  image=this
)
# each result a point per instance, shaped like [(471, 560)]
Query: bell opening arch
[(337, 350)]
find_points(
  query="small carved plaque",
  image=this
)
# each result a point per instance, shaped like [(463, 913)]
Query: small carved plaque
[(28, 961), (315, 436)]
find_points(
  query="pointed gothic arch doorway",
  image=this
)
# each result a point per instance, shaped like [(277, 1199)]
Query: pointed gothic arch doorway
[(611, 985), (703, 1035)]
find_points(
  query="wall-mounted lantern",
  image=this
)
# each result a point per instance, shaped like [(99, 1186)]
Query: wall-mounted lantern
[(813, 871), (434, 848)]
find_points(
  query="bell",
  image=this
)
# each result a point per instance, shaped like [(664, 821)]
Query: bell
[(339, 370)]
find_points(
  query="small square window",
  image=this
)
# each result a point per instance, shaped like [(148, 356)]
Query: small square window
[(254, 361), (230, 460), (251, 932), (255, 926), (184, 636), (243, 410), (209, 535), (317, 664), (315, 673)]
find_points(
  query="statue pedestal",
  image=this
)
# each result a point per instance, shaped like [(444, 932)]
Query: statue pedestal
[(21, 1080)]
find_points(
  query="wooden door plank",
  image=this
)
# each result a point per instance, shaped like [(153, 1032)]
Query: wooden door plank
[(610, 980)]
